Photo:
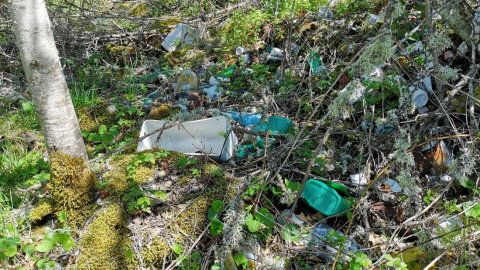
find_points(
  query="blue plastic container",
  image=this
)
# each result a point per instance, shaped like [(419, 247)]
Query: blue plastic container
[(323, 198)]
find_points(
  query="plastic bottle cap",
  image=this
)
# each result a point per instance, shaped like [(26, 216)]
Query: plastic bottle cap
[(420, 98)]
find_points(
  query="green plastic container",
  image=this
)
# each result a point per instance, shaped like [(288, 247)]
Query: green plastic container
[(275, 124), (323, 198)]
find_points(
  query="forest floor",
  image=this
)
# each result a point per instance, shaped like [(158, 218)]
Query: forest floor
[(294, 135)]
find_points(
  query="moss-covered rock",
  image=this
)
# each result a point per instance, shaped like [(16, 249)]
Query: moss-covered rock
[(105, 244)]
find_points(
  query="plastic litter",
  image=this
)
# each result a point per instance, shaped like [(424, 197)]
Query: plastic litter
[(323, 198), (273, 124), (241, 50), (316, 64), (286, 213), (420, 98), (386, 191), (187, 81), (321, 234), (192, 137), (244, 119), (214, 92), (359, 179), (181, 33), (382, 129), (325, 13)]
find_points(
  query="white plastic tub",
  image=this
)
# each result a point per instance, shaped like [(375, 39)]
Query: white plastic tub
[(192, 138)]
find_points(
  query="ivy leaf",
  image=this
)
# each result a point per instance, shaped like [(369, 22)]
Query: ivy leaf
[(162, 195), (65, 240), (216, 228), (293, 186), (211, 213), (62, 216), (252, 224), (3, 243), (45, 246), (473, 212), (102, 129), (265, 217), (217, 205), (177, 249), (28, 249), (11, 250), (240, 259)]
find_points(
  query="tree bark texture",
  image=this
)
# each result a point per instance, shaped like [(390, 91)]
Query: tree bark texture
[(46, 81)]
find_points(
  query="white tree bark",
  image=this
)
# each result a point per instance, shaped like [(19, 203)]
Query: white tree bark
[(46, 81)]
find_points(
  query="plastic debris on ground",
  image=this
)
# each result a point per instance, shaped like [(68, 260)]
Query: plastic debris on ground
[(275, 125), (244, 119), (187, 81), (181, 34), (191, 138), (323, 198), (322, 235), (388, 190)]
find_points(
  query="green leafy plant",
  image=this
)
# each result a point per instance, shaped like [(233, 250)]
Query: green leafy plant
[(216, 226), (241, 260), (183, 162), (361, 260), (396, 262)]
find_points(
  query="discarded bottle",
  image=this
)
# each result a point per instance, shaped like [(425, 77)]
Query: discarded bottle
[(323, 198)]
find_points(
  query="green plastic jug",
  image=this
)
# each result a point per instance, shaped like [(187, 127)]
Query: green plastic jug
[(323, 198)]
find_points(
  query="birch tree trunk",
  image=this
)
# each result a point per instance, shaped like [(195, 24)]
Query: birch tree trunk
[(46, 81)]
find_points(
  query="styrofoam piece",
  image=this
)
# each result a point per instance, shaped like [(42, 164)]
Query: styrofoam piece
[(192, 137), (420, 98), (182, 32)]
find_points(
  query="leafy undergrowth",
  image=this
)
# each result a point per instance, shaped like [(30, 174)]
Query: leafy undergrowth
[(407, 171)]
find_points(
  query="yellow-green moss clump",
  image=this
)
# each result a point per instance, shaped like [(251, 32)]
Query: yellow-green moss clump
[(159, 113), (72, 187), (106, 242), (42, 210), (139, 10), (91, 118), (186, 222)]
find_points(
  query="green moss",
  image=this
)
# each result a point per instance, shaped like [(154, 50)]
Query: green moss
[(106, 241), (91, 118), (41, 211), (175, 57), (72, 187), (139, 10), (159, 113), (170, 21), (186, 222)]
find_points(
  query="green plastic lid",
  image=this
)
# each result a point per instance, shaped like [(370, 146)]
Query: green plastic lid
[(323, 198)]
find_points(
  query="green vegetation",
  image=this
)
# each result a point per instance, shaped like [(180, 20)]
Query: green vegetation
[(151, 209)]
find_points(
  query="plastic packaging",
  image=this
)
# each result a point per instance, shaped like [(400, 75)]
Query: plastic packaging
[(192, 137), (323, 198), (181, 33)]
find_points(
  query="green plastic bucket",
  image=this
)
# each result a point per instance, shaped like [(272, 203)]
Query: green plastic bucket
[(323, 198)]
